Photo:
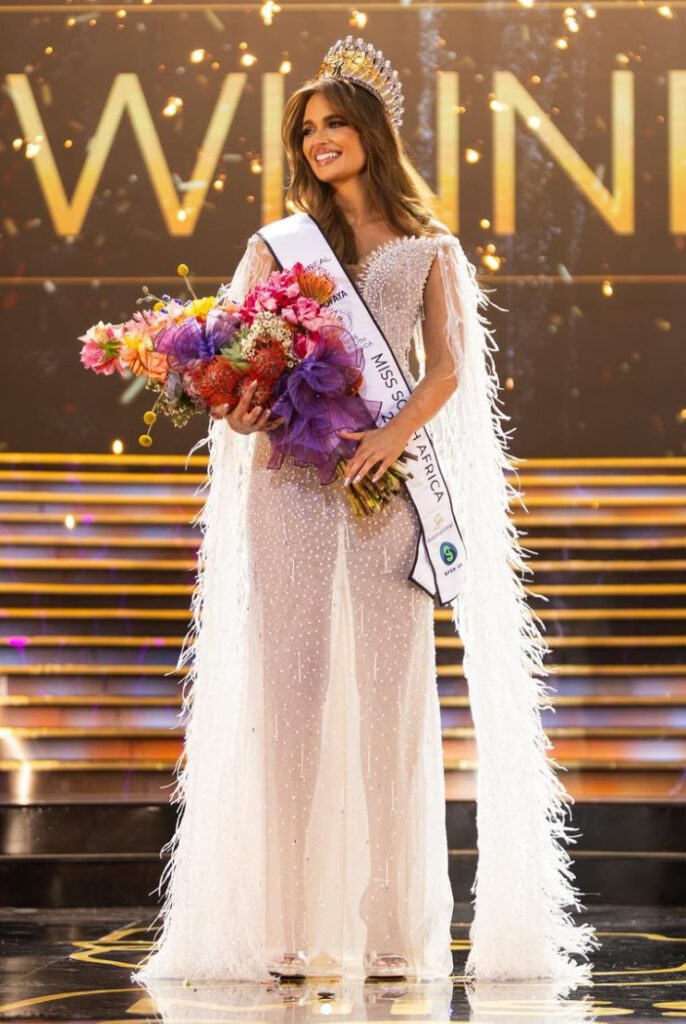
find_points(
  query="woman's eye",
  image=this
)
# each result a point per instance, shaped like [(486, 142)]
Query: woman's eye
[(332, 124)]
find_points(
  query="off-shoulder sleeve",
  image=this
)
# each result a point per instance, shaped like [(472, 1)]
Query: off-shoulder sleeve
[(521, 800), (255, 265), (441, 333)]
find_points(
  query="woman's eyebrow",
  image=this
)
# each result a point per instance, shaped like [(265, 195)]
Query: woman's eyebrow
[(329, 117)]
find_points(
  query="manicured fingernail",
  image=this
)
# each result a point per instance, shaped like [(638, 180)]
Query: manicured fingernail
[(357, 478), (346, 481)]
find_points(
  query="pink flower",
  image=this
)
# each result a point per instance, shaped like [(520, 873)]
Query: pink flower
[(276, 295), (304, 311), (102, 344)]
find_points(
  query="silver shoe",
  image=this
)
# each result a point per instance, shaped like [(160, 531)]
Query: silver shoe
[(385, 965), (292, 965)]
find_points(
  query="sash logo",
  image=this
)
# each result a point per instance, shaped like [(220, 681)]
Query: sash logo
[(448, 552)]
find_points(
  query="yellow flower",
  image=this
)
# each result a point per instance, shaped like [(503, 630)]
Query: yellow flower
[(182, 270), (199, 307)]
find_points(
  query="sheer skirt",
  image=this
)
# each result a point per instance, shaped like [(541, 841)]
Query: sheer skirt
[(343, 660)]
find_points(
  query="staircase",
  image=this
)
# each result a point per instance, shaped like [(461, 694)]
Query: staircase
[(97, 564)]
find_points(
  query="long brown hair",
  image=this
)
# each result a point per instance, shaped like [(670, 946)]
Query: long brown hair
[(397, 192)]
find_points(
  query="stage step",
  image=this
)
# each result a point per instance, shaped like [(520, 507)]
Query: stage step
[(94, 853), (97, 557)]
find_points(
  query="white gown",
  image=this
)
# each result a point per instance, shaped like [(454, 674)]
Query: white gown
[(313, 788)]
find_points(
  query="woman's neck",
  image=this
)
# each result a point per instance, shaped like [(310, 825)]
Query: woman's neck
[(352, 198)]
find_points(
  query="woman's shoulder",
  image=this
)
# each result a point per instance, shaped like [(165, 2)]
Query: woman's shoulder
[(439, 228), (257, 245), (437, 235)]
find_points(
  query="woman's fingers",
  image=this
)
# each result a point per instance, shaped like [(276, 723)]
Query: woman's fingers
[(366, 467), (353, 467), (251, 418), (244, 401), (382, 469), (262, 419), (266, 423)]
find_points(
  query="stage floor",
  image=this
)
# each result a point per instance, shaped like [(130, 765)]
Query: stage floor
[(73, 965)]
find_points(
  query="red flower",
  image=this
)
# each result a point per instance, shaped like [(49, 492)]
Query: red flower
[(214, 381)]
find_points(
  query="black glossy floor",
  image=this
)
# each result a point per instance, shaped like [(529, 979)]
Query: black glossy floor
[(70, 965)]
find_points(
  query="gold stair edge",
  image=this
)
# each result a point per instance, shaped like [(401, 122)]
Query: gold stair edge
[(539, 501), (647, 520), (62, 668), (560, 642), (27, 640), (561, 566), (104, 459), (564, 589), (89, 613), (66, 668), (590, 732), (76, 498), (124, 700), (107, 458), (525, 479), (153, 589), (585, 700), (70, 476), (461, 764), (564, 671), (69, 539), (132, 732), (97, 564), (73, 640), (440, 614), (577, 614), (101, 518)]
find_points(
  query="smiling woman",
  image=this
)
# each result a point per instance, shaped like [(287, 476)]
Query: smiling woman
[(313, 838)]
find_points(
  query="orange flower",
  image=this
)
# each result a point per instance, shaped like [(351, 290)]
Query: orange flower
[(316, 284), (139, 355)]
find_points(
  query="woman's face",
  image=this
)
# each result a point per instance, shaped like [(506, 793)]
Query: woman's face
[(331, 146)]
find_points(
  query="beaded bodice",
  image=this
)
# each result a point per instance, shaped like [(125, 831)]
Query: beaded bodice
[(391, 281)]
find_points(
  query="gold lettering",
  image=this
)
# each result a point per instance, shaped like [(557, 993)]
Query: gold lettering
[(616, 207), (272, 149), (677, 152), (448, 147), (126, 95)]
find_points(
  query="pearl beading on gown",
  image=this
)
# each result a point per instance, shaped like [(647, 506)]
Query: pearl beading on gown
[(309, 558)]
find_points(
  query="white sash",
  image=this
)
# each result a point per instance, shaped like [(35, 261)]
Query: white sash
[(439, 565)]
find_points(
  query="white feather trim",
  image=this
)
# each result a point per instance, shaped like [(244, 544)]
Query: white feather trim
[(524, 883)]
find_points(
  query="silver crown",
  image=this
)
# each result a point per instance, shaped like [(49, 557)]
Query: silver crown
[(359, 62)]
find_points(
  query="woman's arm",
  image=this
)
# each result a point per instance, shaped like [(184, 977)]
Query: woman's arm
[(256, 264), (385, 444)]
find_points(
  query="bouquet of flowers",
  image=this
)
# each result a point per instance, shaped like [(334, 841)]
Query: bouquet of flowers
[(207, 351)]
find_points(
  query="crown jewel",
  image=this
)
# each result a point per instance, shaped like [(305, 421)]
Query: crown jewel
[(361, 63)]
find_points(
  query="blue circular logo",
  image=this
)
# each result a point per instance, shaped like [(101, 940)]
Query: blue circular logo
[(448, 552)]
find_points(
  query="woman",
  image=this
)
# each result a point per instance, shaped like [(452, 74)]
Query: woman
[(312, 839)]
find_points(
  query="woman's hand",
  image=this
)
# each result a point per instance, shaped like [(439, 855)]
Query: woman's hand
[(383, 444), (244, 422)]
